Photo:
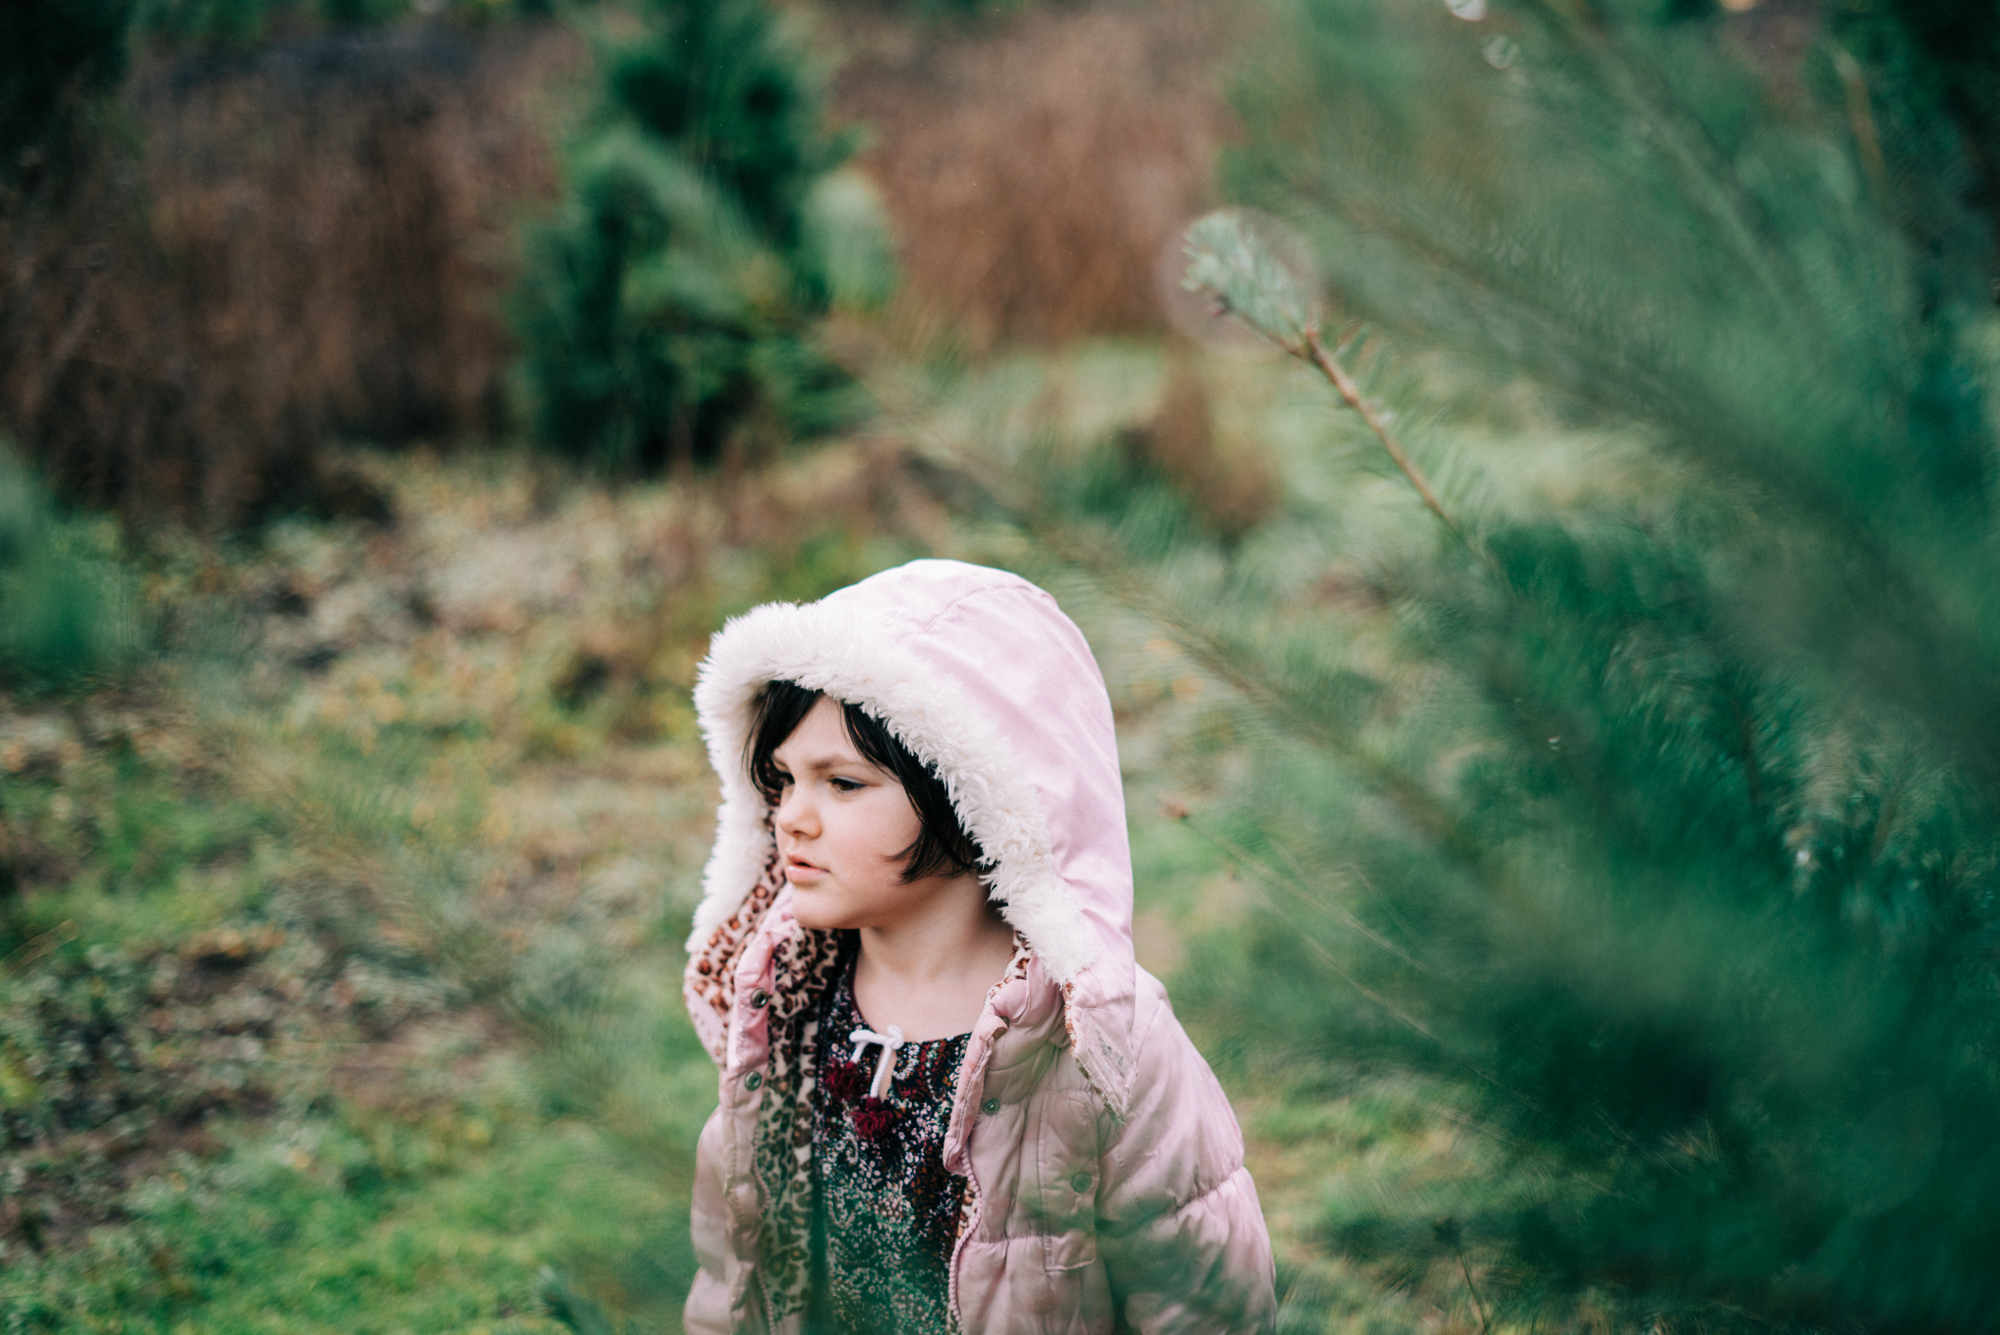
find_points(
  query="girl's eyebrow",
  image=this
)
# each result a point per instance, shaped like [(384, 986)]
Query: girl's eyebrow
[(821, 764)]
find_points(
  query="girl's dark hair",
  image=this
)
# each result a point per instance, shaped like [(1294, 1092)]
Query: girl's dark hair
[(942, 847)]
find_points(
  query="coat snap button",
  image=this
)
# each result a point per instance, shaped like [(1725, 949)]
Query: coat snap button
[(1081, 1182), (757, 1079), (760, 999), (990, 1107)]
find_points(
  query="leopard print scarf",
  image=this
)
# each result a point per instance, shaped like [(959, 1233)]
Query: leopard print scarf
[(710, 981), (803, 967)]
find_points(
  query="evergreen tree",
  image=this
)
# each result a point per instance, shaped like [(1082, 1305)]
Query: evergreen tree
[(669, 304), (1661, 816)]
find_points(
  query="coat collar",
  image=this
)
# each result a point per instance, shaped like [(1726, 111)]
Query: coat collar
[(1025, 1016)]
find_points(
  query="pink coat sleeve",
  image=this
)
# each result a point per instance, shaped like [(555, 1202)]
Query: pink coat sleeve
[(1179, 1227), (707, 1310)]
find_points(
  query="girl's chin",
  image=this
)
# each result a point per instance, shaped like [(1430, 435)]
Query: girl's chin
[(816, 910)]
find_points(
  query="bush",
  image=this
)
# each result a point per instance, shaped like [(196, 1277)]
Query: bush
[(68, 614), (668, 305), (151, 356)]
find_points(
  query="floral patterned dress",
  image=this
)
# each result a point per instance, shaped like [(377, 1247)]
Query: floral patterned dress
[(886, 1211)]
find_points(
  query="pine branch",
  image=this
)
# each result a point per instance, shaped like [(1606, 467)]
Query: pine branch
[(1702, 166), (1329, 366), (1230, 262)]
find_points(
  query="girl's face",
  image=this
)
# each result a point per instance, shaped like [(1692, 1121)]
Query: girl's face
[(841, 823)]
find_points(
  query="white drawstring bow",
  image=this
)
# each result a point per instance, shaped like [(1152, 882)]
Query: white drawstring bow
[(885, 1065)]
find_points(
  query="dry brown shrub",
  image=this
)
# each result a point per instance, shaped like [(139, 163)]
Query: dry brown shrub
[(1035, 169), (311, 242)]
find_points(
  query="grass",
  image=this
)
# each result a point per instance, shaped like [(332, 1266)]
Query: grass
[(358, 1225), (342, 987)]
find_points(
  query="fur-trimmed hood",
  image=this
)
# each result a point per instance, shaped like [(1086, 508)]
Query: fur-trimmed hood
[(980, 674)]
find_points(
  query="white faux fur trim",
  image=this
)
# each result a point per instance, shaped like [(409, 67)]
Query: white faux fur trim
[(827, 649)]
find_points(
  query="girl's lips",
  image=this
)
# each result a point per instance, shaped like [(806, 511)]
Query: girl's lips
[(800, 872)]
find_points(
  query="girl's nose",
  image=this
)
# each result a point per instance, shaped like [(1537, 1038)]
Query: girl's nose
[(795, 813)]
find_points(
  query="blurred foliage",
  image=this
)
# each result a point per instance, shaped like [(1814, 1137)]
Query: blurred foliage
[(1656, 815), (202, 24), (57, 60), (234, 25), (65, 51), (1239, 271), (946, 10), (68, 608), (667, 307), (1933, 70)]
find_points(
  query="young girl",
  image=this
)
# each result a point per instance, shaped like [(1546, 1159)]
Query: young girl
[(950, 1098)]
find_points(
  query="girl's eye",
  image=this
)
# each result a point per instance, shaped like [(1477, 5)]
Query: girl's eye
[(845, 785)]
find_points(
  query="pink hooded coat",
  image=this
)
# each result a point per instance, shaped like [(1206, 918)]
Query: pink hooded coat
[(1105, 1181)]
